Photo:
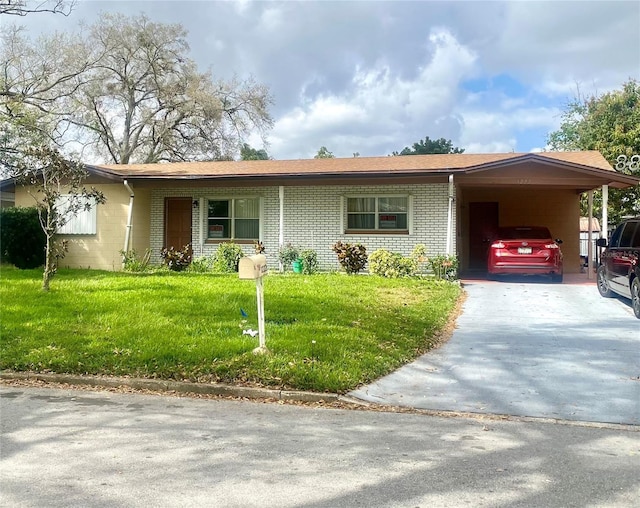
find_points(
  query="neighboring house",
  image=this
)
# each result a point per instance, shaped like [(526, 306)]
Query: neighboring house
[(584, 238), (451, 203)]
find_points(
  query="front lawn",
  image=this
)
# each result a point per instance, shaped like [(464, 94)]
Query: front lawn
[(326, 332)]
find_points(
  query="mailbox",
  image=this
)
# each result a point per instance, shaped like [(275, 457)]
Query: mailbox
[(252, 267)]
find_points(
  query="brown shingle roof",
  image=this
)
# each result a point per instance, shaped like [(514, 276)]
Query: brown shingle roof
[(406, 164)]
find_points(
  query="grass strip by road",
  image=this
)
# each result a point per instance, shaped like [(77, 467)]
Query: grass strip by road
[(326, 332)]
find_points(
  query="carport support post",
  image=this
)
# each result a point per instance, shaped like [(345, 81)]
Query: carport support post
[(590, 236), (604, 229)]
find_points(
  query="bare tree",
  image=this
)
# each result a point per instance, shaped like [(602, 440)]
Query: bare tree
[(126, 90), (24, 7), (146, 101), (40, 74), (35, 81)]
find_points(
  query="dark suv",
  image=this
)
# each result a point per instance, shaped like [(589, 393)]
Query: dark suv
[(619, 270)]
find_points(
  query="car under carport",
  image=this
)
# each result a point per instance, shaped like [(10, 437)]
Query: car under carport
[(529, 190)]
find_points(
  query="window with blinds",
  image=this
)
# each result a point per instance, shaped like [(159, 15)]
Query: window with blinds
[(378, 213), (237, 218)]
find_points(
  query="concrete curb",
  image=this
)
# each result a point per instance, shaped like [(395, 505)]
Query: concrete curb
[(160, 385), (246, 392)]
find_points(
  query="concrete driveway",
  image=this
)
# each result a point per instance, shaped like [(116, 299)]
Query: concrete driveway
[(528, 348)]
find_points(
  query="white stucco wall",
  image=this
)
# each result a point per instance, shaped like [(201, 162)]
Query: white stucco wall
[(102, 249)]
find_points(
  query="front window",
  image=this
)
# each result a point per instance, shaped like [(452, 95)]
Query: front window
[(233, 219), (378, 213)]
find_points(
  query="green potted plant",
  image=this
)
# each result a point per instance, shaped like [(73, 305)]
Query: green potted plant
[(296, 264), (287, 255)]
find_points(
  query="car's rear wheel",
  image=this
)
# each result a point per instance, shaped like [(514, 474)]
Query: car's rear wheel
[(603, 285), (635, 296)]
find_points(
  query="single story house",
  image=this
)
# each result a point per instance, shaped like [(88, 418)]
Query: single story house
[(452, 203)]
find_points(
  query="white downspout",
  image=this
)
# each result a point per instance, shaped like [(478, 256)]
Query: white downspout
[(281, 228), (127, 235), (203, 224), (449, 246)]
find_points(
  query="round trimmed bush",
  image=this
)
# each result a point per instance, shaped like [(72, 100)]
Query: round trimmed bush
[(22, 241)]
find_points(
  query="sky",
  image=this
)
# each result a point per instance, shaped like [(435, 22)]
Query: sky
[(371, 77)]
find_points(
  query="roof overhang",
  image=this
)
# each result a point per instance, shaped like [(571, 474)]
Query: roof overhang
[(580, 171), (541, 172)]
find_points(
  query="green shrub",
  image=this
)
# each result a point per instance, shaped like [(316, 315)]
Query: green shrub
[(444, 267), (201, 264), (352, 257), (287, 254), (227, 257), (176, 260), (309, 259), (131, 262), (391, 264), (419, 253), (22, 241)]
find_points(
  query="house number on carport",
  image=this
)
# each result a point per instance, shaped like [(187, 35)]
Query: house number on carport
[(254, 267)]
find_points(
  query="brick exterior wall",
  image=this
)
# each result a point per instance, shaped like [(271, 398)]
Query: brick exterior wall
[(312, 218)]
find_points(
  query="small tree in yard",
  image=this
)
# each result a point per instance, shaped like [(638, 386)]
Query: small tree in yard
[(46, 175)]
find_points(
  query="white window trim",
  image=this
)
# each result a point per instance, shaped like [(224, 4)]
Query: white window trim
[(344, 202), (410, 212), (204, 224), (84, 222)]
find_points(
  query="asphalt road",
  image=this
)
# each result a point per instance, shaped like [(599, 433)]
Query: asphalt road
[(529, 348), (64, 448)]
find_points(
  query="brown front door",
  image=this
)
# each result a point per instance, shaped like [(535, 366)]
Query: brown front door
[(483, 226), (177, 222)]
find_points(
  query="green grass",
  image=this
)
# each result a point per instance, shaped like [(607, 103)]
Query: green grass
[(188, 326)]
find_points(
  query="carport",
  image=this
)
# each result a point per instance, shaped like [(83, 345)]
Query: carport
[(529, 189)]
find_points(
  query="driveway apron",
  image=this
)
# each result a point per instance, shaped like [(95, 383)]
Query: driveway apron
[(527, 348)]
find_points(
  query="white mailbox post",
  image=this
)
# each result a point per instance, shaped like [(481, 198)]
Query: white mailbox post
[(254, 267)]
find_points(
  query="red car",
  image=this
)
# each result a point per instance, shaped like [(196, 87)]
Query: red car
[(525, 250)]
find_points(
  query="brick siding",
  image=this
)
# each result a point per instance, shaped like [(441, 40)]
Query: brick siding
[(312, 218)]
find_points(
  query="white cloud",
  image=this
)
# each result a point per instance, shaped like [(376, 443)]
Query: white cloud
[(271, 19), (496, 130), (380, 105), (241, 6), (554, 45)]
